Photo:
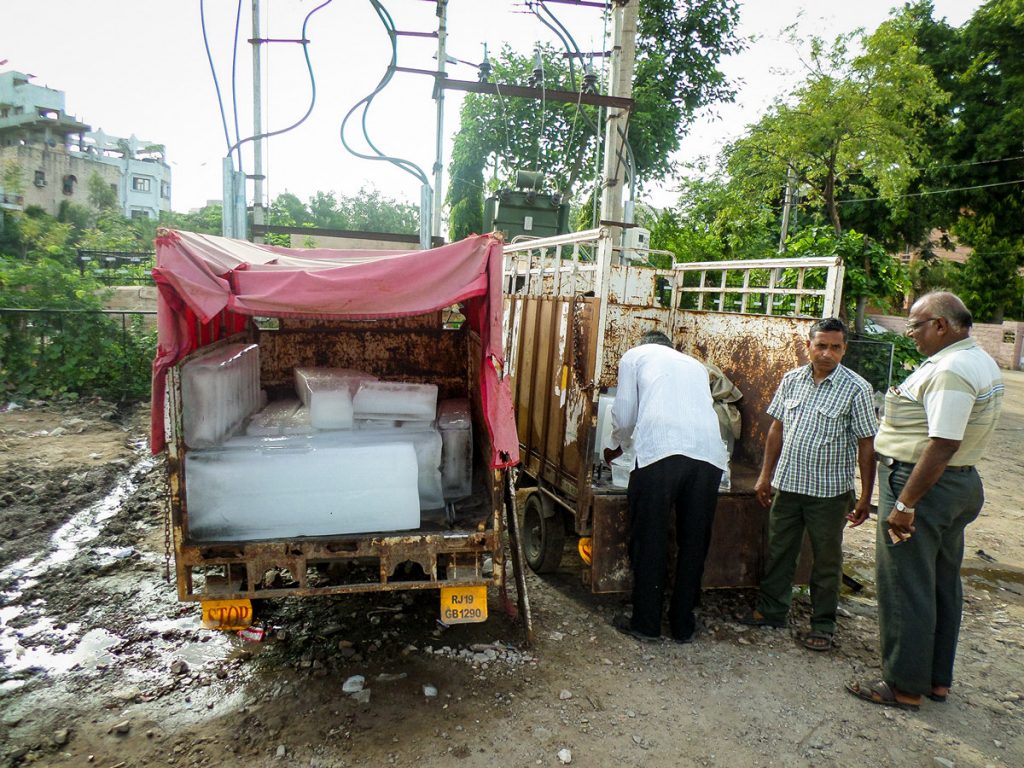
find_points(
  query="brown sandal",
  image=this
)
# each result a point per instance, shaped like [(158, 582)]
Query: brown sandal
[(881, 693)]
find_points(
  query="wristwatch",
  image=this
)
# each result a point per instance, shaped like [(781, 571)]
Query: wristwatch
[(899, 506)]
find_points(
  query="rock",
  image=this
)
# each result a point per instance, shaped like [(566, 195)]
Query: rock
[(281, 751), (430, 691), (57, 432), (386, 677), (943, 762), (61, 736), (354, 684), (120, 728), (564, 756), (179, 667), (362, 697), (565, 695)]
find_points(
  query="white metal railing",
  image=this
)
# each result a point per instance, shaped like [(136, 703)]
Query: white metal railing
[(564, 265), (786, 279)]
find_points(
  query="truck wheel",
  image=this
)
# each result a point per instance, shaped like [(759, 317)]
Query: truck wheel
[(543, 535)]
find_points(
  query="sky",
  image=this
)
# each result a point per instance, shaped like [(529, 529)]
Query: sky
[(141, 68)]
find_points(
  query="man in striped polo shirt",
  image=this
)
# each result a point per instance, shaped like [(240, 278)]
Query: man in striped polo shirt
[(935, 428), (822, 429)]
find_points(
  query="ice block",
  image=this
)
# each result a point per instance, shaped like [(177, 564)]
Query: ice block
[(395, 400), (455, 422), (300, 487), (272, 419), (219, 390)]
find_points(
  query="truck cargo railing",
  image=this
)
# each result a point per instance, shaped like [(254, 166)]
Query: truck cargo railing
[(809, 287)]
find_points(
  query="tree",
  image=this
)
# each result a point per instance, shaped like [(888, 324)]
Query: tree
[(853, 129), (983, 165), (101, 195), (676, 74), (713, 221)]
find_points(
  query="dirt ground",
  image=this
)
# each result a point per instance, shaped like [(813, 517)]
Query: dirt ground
[(102, 666)]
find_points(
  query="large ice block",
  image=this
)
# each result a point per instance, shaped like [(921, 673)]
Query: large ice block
[(426, 443), (395, 400), (455, 422), (300, 487), (604, 424), (330, 408), (219, 390)]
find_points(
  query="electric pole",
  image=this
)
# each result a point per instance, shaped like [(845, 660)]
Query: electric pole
[(620, 84)]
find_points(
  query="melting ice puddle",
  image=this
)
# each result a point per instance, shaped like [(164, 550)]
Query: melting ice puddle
[(82, 527)]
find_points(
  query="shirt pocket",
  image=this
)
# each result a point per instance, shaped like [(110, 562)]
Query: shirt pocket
[(829, 423)]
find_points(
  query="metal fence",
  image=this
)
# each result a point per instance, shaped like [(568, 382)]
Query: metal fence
[(50, 352), (117, 267)]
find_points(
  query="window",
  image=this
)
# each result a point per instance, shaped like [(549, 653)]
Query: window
[(140, 184), (113, 188), (69, 184), (40, 179), (165, 190), (139, 214)]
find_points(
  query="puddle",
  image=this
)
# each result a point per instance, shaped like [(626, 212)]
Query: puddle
[(82, 527), (1006, 582)]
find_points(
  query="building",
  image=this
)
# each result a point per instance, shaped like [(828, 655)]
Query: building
[(48, 156)]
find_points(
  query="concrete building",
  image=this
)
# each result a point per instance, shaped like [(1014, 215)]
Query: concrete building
[(48, 156)]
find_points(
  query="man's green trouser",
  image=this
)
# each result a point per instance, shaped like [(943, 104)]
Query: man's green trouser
[(823, 519), (920, 596)]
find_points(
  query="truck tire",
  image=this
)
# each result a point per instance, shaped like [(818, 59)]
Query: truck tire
[(543, 535)]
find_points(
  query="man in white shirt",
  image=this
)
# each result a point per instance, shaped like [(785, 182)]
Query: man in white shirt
[(663, 406)]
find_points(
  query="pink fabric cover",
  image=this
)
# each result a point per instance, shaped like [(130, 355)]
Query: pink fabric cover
[(201, 277)]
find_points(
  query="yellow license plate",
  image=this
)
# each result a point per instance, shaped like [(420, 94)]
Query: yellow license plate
[(227, 614), (463, 605)]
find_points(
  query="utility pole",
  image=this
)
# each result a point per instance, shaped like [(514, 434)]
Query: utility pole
[(787, 206), (620, 84), (442, 55), (257, 121)]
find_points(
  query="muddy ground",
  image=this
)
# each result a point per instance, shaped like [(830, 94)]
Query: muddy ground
[(102, 666)]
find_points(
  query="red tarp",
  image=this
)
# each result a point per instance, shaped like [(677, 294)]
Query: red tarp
[(202, 278)]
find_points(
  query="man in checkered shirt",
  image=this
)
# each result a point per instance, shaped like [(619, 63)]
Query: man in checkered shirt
[(823, 428)]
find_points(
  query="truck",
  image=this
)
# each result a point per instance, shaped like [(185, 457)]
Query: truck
[(573, 305), (298, 511)]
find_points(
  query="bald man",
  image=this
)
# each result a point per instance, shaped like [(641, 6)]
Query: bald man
[(934, 430)]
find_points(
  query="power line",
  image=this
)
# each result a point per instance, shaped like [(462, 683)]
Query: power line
[(931, 192)]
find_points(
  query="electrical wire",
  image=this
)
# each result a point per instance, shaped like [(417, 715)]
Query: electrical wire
[(234, 82), (931, 192), (312, 83), (213, 71), (407, 165)]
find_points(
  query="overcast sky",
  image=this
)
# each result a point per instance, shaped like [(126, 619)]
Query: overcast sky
[(141, 68)]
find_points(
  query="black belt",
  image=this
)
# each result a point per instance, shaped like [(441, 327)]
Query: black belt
[(889, 461)]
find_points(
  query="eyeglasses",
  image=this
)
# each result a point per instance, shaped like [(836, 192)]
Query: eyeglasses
[(913, 326)]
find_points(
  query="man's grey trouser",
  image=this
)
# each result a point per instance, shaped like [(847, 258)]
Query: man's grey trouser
[(920, 596)]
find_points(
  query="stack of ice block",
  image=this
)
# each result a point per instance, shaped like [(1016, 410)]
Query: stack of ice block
[(456, 426), (280, 417), (219, 390), (328, 392), (300, 486)]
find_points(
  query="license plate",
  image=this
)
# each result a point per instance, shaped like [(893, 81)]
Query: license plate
[(463, 605), (227, 614)]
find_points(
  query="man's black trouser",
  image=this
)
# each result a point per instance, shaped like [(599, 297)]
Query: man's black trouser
[(690, 487)]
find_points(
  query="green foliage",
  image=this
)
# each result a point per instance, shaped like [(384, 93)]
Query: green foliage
[(871, 274), (101, 195), (207, 220), (71, 348), (713, 221), (853, 127), (368, 210)]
